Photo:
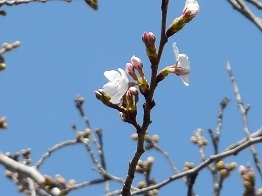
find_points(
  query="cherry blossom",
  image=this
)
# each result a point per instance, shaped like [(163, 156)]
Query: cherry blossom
[(117, 85), (182, 67)]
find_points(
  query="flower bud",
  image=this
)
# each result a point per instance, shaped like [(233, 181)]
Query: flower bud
[(3, 124), (137, 63), (92, 3), (134, 136), (191, 9), (220, 165), (141, 185), (155, 138), (2, 66), (149, 38), (241, 169), (16, 44), (175, 26), (224, 173)]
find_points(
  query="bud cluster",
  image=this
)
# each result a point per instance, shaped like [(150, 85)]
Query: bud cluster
[(6, 47), (248, 177), (23, 156), (198, 138), (84, 135), (145, 167), (11, 46), (136, 64), (225, 169), (188, 166)]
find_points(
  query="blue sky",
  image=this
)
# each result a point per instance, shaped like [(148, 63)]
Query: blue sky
[(66, 47)]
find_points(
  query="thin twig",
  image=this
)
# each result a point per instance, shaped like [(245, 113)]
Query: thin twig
[(211, 159), (52, 150), (243, 112), (17, 2), (256, 3), (240, 6)]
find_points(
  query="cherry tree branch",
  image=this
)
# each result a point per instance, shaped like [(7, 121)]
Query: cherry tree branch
[(17, 2), (52, 150), (149, 104), (243, 112), (242, 8), (238, 147)]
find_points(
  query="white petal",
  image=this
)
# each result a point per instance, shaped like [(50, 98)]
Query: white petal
[(110, 88), (123, 74), (183, 60), (116, 98), (185, 79), (175, 50), (112, 75)]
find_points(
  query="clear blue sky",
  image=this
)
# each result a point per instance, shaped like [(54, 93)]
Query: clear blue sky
[(66, 47)]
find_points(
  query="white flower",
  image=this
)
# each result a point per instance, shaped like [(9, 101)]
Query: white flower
[(117, 85), (182, 68), (191, 8)]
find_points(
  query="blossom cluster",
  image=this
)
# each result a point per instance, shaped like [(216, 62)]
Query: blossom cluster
[(119, 88)]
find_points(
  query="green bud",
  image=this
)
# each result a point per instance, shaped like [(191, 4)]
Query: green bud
[(2, 66), (141, 185), (220, 165), (224, 173), (233, 165), (175, 26)]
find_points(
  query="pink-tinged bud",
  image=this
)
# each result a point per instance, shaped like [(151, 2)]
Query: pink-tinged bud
[(130, 70), (242, 169), (191, 9), (149, 38), (134, 92), (137, 63)]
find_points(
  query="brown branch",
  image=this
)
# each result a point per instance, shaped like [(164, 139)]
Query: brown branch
[(149, 104)]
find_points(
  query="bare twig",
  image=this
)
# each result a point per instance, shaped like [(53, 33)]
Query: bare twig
[(243, 112), (17, 2), (52, 150), (238, 148), (240, 6), (256, 3)]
